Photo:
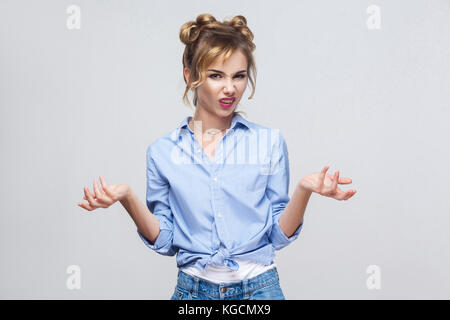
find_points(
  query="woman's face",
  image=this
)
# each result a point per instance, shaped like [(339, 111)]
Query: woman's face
[(223, 80)]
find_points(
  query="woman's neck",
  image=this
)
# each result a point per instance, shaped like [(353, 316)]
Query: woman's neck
[(206, 123)]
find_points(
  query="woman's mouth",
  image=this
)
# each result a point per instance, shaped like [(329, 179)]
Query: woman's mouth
[(227, 102)]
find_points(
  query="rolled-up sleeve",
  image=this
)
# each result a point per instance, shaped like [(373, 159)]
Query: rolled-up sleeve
[(157, 198), (277, 192)]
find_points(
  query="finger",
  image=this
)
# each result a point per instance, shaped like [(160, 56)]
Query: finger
[(343, 195), (105, 187), (345, 180), (335, 180), (103, 182), (322, 175), (85, 206), (89, 197), (92, 195), (97, 191), (101, 187), (349, 194)]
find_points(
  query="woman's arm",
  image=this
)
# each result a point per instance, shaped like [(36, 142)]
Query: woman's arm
[(106, 195), (145, 221), (292, 216), (320, 183)]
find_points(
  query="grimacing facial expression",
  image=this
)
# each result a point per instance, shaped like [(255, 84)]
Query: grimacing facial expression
[(223, 80)]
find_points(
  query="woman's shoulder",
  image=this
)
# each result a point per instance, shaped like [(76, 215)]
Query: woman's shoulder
[(263, 130), (160, 144), (259, 128)]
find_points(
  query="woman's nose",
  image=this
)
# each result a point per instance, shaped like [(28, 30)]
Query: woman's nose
[(229, 88)]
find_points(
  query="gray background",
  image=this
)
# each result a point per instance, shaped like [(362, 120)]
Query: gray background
[(374, 104)]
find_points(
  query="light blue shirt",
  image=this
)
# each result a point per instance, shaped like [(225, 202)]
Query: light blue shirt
[(212, 212)]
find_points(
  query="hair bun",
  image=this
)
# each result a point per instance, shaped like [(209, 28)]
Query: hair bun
[(205, 19), (240, 23), (190, 31)]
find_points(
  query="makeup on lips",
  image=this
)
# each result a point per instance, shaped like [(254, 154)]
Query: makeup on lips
[(227, 102)]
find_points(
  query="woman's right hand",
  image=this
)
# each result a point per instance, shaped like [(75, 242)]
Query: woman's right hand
[(104, 196)]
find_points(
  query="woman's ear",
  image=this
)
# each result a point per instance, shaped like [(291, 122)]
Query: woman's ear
[(186, 75)]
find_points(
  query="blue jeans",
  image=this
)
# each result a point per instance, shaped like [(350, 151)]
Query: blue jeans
[(265, 286)]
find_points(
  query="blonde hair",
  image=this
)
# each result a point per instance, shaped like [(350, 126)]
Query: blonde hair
[(206, 40)]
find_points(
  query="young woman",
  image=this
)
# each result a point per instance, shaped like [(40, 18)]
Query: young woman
[(217, 186)]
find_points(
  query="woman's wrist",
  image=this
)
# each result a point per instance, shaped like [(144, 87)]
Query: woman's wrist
[(127, 195), (302, 189)]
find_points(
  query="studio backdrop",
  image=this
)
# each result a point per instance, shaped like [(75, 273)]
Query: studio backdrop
[(360, 86)]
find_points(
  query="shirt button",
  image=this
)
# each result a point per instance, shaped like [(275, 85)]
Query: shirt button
[(215, 179), (219, 215)]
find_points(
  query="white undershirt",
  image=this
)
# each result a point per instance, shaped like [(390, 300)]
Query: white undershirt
[(218, 274)]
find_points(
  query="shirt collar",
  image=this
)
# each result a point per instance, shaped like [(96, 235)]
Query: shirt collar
[(184, 124)]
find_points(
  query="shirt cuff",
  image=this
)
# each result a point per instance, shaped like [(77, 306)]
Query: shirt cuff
[(163, 238), (279, 239)]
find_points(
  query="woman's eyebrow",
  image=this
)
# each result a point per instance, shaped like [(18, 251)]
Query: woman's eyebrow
[(218, 71)]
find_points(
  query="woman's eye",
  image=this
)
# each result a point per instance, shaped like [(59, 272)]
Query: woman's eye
[(216, 74)]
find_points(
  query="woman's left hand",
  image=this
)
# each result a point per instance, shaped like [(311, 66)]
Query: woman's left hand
[(326, 184)]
